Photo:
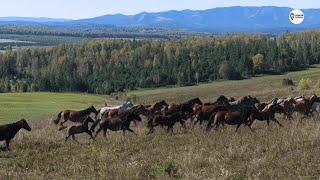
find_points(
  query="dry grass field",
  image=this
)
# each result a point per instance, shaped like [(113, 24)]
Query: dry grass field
[(270, 152)]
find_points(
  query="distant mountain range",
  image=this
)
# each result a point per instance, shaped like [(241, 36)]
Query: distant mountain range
[(227, 19)]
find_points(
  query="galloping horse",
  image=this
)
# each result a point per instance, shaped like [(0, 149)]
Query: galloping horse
[(232, 118), (204, 112), (106, 109), (74, 116), (156, 107), (166, 120), (184, 107), (288, 106), (121, 113), (267, 114), (118, 123), (304, 105)]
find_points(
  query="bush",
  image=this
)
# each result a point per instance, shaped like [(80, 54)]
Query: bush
[(133, 98), (287, 82), (170, 167), (304, 83)]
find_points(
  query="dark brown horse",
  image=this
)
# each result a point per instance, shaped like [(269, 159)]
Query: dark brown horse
[(267, 114), (184, 107), (288, 107), (304, 106), (8, 131), (117, 123), (166, 120), (74, 116), (232, 118), (80, 128), (156, 106)]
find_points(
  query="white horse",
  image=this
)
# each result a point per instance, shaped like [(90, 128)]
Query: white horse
[(126, 105)]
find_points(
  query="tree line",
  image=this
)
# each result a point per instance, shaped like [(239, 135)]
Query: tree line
[(106, 66)]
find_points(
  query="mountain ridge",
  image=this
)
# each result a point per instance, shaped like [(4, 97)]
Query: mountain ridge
[(221, 19)]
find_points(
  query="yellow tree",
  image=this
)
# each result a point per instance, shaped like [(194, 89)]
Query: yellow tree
[(259, 62)]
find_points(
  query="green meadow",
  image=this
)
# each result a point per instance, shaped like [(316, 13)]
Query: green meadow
[(15, 106)]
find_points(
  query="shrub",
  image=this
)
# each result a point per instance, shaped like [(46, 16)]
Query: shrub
[(170, 168), (133, 98), (287, 82), (304, 83)]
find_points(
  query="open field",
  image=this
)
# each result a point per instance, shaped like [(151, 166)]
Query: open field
[(14, 106), (264, 87), (270, 152)]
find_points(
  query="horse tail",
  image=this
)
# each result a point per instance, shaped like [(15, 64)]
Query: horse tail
[(56, 121), (96, 122)]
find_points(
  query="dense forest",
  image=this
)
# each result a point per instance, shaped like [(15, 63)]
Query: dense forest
[(94, 31), (106, 66)]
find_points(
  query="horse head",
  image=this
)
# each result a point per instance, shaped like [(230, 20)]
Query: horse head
[(195, 101), (222, 99), (314, 98), (23, 124), (92, 109), (163, 103)]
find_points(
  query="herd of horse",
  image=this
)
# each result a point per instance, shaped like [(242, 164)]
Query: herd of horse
[(224, 110)]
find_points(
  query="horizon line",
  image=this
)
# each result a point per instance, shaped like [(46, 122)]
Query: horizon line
[(112, 14)]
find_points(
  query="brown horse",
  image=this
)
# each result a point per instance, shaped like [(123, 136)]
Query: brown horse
[(232, 118), (139, 108), (166, 120), (204, 112), (304, 106), (8, 131), (80, 128), (288, 107), (74, 116), (184, 107), (267, 114), (156, 106), (118, 123)]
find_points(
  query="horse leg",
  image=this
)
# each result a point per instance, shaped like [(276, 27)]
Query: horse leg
[(90, 134), (130, 130), (67, 137), (105, 133), (100, 129), (168, 129), (74, 138), (268, 122), (8, 144), (275, 120), (238, 127), (151, 130)]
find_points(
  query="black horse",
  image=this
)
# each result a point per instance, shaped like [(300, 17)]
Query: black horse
[(8, 131)]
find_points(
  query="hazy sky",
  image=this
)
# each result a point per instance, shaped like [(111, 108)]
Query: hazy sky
[(76, 9)]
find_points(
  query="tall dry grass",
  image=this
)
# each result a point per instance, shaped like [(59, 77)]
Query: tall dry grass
[(270, 152)]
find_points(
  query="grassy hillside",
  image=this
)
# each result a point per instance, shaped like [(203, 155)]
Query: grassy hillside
[(264, 87), (15, 106), (270, 152)]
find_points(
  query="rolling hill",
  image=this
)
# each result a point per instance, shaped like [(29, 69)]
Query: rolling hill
[(225, 19)]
